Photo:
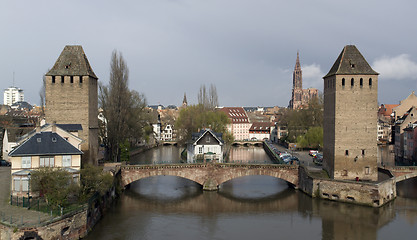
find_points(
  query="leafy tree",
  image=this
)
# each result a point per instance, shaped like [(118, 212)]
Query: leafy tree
[(55, 185), (196, 117), (299, 121), (123, 109), (313, 139), (93, 180)]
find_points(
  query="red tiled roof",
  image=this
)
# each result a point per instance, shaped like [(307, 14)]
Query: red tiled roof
[(236, 114), (386, 109)]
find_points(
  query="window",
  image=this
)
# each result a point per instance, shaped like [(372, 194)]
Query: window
[(66, 161), (207, 139), (71, 79), (21, 184), (200, 150), (53, 79), (26, 162), (370, 81), (346, 152), (62, 79), (367, 170), (352, 82), (363, 152), (361, 82), (81, 79), (343, 82), (46, 162)]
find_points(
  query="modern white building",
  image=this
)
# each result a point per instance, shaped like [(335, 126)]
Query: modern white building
[(12, 95)]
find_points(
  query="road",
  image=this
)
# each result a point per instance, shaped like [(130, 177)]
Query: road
[(303, 156)]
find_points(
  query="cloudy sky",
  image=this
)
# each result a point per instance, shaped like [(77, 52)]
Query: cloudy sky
[(246, 48)]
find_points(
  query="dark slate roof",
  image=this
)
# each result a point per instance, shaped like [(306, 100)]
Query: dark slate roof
[(22, 105), (45, 143), (196, 136), (70, 127), (72, 62), (351, 62)]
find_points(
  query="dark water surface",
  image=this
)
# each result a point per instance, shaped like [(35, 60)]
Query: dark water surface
[(252, 207)]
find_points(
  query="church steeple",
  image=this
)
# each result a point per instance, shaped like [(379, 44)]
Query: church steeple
[(297, 74), (184, 101)]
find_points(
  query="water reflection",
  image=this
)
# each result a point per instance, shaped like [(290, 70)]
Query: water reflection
[(252, 207)]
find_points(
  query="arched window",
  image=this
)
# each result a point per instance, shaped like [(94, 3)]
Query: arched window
[(343, 82), (352, 82)]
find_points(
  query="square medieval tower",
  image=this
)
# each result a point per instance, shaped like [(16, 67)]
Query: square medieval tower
[(71, 97), (350, 118)]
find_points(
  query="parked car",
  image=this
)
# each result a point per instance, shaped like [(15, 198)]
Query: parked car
[(313, 152), (4, 163), (294, 160), (318, 159)]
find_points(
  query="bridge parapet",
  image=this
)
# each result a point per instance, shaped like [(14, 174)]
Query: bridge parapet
[(402, 173)]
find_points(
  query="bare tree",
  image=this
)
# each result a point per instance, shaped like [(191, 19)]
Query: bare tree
[(123, 109), (208, 100), (42, 95)]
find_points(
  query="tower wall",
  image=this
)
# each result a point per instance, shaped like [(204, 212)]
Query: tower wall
[(350, 118), (76, 102)]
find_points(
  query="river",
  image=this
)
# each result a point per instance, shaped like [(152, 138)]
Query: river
[(252, 207)]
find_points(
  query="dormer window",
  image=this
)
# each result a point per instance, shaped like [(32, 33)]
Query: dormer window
[(352, 64)]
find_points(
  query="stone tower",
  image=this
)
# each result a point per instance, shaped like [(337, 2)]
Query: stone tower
[(71, 97), (297, 85), (350, 118)]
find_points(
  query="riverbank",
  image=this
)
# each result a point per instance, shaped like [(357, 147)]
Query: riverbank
[(22, 223)]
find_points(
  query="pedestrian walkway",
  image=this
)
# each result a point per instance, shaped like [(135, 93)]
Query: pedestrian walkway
[(13, 215)]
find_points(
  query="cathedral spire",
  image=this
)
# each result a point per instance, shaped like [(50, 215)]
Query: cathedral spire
[(297, 74), (184, 101), (297, 62)]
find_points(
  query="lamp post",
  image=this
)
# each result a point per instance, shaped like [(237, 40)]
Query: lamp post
[(29, 190)]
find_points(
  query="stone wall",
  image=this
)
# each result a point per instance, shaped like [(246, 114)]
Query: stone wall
[(74, 225), (357, 192)]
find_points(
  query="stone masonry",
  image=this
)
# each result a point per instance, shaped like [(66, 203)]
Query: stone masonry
[(72, 97), (350, 106), (210, 175)]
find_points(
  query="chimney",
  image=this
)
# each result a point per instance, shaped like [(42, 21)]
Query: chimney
[(54, 127)]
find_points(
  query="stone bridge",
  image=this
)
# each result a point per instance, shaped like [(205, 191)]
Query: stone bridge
[(247, 143), (403, 173), (209, 175)]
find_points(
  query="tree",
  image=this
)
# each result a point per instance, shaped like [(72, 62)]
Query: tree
[(313, 139), (208, 100), (196, 117), (55, 185), (42, 95), (94, 180), (123, 109), (301, 120)]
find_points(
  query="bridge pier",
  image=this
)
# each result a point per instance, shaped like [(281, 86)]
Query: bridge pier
[(210, 185)]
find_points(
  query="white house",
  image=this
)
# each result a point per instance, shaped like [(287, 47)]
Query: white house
[(205, 146)]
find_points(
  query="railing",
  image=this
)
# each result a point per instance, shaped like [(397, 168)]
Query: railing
[(46, 214)]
